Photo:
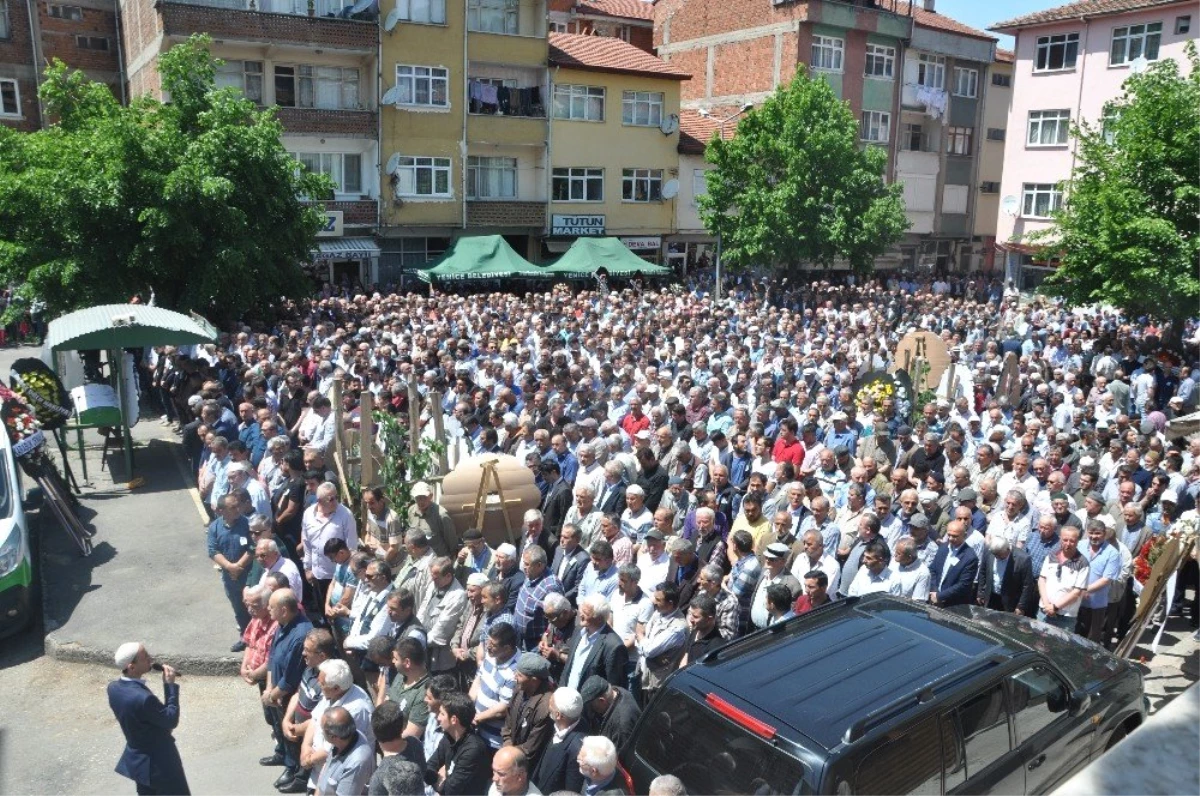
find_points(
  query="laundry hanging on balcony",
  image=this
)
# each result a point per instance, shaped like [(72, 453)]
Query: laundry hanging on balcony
[(487, 97), (934, 100)]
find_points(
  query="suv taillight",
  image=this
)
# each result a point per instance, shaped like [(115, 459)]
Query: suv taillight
[(740, 717)]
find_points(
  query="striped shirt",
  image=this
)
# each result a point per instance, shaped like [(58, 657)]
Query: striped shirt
[(531, 619), (497, 682)]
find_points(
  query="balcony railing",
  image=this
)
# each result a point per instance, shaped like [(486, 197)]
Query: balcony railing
[(338, 9)]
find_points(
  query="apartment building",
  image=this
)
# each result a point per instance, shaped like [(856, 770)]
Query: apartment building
[(628, 20), (997, 96), (615, 137), (1070, 61), (463, 127), (314, 60), (82, 34)]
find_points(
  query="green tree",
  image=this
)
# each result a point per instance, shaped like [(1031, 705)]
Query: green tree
[(1128, 233), (195, 198), (795, 185)]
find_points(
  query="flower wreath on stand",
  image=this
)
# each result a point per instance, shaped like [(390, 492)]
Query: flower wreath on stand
[(24, 431)]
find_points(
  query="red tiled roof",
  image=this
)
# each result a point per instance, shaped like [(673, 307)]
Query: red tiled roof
[(606, 54), (1005, 56), (931, 19), (1076, 10), (625, 9), (695, 131)]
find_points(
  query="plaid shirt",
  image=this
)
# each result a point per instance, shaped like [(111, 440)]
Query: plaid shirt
[(531, 618), (743, 578), (259, 635), (1038, 549)]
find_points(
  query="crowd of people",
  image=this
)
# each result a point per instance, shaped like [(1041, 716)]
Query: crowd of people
[(706, 469)]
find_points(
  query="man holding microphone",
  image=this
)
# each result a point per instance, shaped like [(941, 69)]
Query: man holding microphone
[(150, 758)]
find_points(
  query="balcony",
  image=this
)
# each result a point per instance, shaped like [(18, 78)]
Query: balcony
[(913, 163), (506, 214), (884, 17), (358, 213), (246, 20), (338, 123), (506, 130)]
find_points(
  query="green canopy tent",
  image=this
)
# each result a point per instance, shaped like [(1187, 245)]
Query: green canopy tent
[(115, 327), (588, 255), (481, 257)]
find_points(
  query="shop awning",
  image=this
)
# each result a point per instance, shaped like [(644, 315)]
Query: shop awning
[(588, 255), (346, 249), (481, 257)]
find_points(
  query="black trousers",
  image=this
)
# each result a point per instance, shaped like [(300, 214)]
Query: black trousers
[(289, 749), (1091, 623)]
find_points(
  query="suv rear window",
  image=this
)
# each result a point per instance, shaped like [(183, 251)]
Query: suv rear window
[(711, 754)]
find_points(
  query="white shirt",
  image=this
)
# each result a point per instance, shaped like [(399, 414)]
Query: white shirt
[(654, 571), (865, 582), (627, 615), (826, 563), (914, 579), (288, 567)]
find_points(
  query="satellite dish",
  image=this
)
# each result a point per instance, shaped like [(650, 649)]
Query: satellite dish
[(393, 163), (1009, 205), (393, 18), (391, 96), (669, 124), (670, 189), (1138, 65)]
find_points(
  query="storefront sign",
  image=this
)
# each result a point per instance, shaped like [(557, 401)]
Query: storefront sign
[(576, 225), (645, 243), (332, 228)]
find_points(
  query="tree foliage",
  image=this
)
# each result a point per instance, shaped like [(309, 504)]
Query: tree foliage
[(1128, 233), (795, 185), (196, 197)]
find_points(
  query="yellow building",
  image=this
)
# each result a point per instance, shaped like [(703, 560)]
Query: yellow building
[(463, 130), (614, 138)]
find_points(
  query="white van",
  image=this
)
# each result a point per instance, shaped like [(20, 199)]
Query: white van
[(16, 558)]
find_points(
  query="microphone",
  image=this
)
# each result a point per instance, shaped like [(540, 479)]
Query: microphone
[(158, 667)]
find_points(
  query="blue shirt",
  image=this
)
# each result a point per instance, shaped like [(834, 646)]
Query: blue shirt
[(231, 541), (1038, 550), (286, 661), (594, 582), (1102, 563)]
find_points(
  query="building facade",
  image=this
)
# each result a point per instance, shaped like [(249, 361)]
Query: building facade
[(82, 34), (1070, 62), (615, 137), (630, 21), (997, 96)]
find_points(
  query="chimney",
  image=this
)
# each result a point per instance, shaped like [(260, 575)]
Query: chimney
[(929, 6)]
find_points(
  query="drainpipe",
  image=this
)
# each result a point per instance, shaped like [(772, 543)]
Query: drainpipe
[(1082, 72), (466, 100), (31, 10), (121, 76), (548, 104), (379, 133)]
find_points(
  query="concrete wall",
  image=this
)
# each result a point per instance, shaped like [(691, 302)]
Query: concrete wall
[(996, 100), (687, 215)]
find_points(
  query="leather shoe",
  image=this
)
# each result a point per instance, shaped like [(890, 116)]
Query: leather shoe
[(287, 776), (272, 760), (297, 785), (238, 647)]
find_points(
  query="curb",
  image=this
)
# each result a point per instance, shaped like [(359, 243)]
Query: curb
[(74, 652)]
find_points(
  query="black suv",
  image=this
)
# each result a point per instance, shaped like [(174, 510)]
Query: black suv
[(881, 695)]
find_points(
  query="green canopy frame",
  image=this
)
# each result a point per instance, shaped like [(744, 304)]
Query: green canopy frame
[(115, 327), (481, 257), (586, 256)]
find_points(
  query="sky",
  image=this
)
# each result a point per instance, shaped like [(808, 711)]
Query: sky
[(981, 13)]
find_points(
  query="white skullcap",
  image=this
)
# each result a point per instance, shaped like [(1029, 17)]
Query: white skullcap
[(477, 579), (568, 701), (506, 549), (126, 653)]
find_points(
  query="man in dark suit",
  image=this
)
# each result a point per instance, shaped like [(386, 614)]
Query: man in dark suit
[(534, 533), (558, 499), (557, 769), (1018, 591), (952, 576), (684, 569), (150, 758), (610, 495), (570, 560), (595, 648)]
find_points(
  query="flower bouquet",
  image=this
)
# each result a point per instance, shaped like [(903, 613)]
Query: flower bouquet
[(43, 391), (24, 431), (1148, 556)]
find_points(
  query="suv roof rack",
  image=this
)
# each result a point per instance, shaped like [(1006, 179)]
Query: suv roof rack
[(926, 694)]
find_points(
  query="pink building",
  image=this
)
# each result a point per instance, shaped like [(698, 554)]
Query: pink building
[(1070, 61)]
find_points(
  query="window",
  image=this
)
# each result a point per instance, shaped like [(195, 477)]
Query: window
[(423, 85), (491, 178), (996, 133), (827, 53), (424, 12), (1040, 199), (92, 43), (420, 251), (1048, 128), (423, 177), (1004, 81), (989, 187), (1038, 697), (344, 169), (1056, 52), (913, 139), (245, 76), (966, 82), (623, 33), (881, 61), (558, 27), (699, 183), (1108, 126), (5, 30), (492, 16), (1183, 25), (931, 70), (73, 13), (906, 761), (958, 140), (641, 185), (876, 127), (642, 108), (329, 87), (10, 98), (579, 103), (1131, 42), (984, 724), (578, 185), (285, 86)]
